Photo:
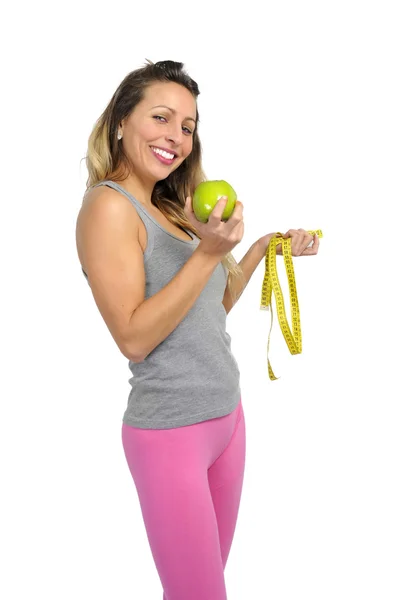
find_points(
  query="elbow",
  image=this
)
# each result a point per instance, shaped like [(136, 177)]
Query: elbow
[(132, 354), (134, 357), (138, 360)]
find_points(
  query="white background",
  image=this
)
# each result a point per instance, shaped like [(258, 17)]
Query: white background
[(299, 112)]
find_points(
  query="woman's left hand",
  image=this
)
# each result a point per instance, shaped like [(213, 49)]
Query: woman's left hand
[(300, 240)]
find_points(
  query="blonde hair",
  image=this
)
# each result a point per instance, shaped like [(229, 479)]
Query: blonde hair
[(106, 159)]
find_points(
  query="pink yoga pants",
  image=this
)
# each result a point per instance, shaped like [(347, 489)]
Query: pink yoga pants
[(189, 482)]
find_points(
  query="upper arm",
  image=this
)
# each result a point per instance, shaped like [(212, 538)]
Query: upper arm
[(111, 256)]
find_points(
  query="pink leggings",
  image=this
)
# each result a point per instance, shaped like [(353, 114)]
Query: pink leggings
[(189, 481)]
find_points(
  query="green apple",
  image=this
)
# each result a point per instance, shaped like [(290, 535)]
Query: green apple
[(207, 194)]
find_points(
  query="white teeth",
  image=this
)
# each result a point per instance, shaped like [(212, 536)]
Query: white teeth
[(162, 153)]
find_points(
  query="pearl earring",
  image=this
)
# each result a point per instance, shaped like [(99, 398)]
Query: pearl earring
[(119, 135)]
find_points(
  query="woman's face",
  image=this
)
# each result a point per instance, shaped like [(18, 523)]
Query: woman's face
[(151, 126)]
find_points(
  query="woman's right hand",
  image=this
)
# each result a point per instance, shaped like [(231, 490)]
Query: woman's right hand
[(218, 237)]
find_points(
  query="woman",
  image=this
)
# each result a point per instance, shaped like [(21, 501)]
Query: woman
[(164, 283)]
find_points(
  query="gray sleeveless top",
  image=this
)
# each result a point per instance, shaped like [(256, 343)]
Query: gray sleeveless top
[(192, 375)]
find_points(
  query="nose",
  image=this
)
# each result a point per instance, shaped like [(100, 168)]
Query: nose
[(175, 134)]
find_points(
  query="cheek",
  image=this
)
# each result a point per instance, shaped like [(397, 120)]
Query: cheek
[(188, 146), (149, 132)]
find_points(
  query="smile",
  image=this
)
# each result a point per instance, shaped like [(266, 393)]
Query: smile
[(164, 157)]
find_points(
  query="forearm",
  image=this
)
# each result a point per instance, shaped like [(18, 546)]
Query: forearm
[(160, 314), (248, 264)]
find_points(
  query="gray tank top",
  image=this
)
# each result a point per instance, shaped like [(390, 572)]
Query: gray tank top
[(192, 375)]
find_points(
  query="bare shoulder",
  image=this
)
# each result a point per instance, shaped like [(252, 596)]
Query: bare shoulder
[(100, 196), (102, 202)]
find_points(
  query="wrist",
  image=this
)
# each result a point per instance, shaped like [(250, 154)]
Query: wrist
[(210, 256), (263, 242)]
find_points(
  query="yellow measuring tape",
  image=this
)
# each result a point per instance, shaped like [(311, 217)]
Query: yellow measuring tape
[(271, 283)]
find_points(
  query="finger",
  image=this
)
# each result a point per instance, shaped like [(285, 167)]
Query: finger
[(316, 242), (237, 232), (236, 215), (313, 249), (300, 242), (306, 240), (305, 237), (308, 252), (217, 211)]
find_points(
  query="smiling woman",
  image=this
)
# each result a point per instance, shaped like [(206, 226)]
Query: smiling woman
[(162, 298), (144, 90), (145, 128)]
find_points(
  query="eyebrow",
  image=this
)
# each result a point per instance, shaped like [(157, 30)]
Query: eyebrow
[(172, 110)]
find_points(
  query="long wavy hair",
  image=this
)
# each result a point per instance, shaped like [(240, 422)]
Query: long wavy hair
[(106, 159)]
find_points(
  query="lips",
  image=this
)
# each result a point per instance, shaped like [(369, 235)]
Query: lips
[(162, 159), (165, 150)]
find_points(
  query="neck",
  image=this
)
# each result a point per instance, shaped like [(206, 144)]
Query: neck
[(140, 189)]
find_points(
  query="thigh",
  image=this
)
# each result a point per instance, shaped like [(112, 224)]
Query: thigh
[(178, 512), (226, 477)]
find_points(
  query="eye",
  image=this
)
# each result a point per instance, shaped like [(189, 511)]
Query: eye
[(160, 117)]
